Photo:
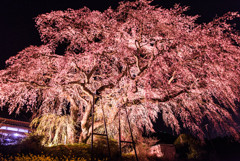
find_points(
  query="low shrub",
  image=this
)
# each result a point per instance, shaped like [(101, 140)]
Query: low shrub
[(31, 144), (100, 147), (31, 149), (42, 157), (69, 151), (189, 148)]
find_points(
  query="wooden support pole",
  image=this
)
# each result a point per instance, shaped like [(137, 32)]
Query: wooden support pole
[(134, 146), (119, 133), (105, 125), (93, 102), (106, 133)]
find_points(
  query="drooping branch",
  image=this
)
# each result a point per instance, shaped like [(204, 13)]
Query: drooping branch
[(30, 83), (154, 100), (91, 73), (102, 88), (170, 96), (82, 86), (172, 78)]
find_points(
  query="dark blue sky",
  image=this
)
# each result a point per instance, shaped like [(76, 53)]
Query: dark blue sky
[(17, 28)]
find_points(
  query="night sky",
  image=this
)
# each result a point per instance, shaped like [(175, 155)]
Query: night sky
[(17, 29)]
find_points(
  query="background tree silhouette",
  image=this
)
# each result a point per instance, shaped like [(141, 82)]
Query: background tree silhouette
[(139, 57)]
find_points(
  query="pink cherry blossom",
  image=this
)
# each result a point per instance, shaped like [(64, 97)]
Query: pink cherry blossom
[(144, 58)]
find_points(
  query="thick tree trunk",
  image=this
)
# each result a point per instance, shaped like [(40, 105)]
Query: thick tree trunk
[(74, 116), (85, 125), (84, 136)]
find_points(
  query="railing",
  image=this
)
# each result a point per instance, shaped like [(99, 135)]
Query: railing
[(14, 122)]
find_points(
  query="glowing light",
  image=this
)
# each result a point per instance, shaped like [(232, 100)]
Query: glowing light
[(16, 135), (3, 127), (23, 130), (12, 128)]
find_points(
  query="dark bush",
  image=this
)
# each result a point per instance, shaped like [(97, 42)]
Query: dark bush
[(32, 144), (69, 151), (101, 149), (189, 148)]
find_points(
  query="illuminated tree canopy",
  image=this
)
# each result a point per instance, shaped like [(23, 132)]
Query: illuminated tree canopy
[(144, 58)]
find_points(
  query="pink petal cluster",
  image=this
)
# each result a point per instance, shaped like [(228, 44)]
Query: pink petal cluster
[(144, 58)]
